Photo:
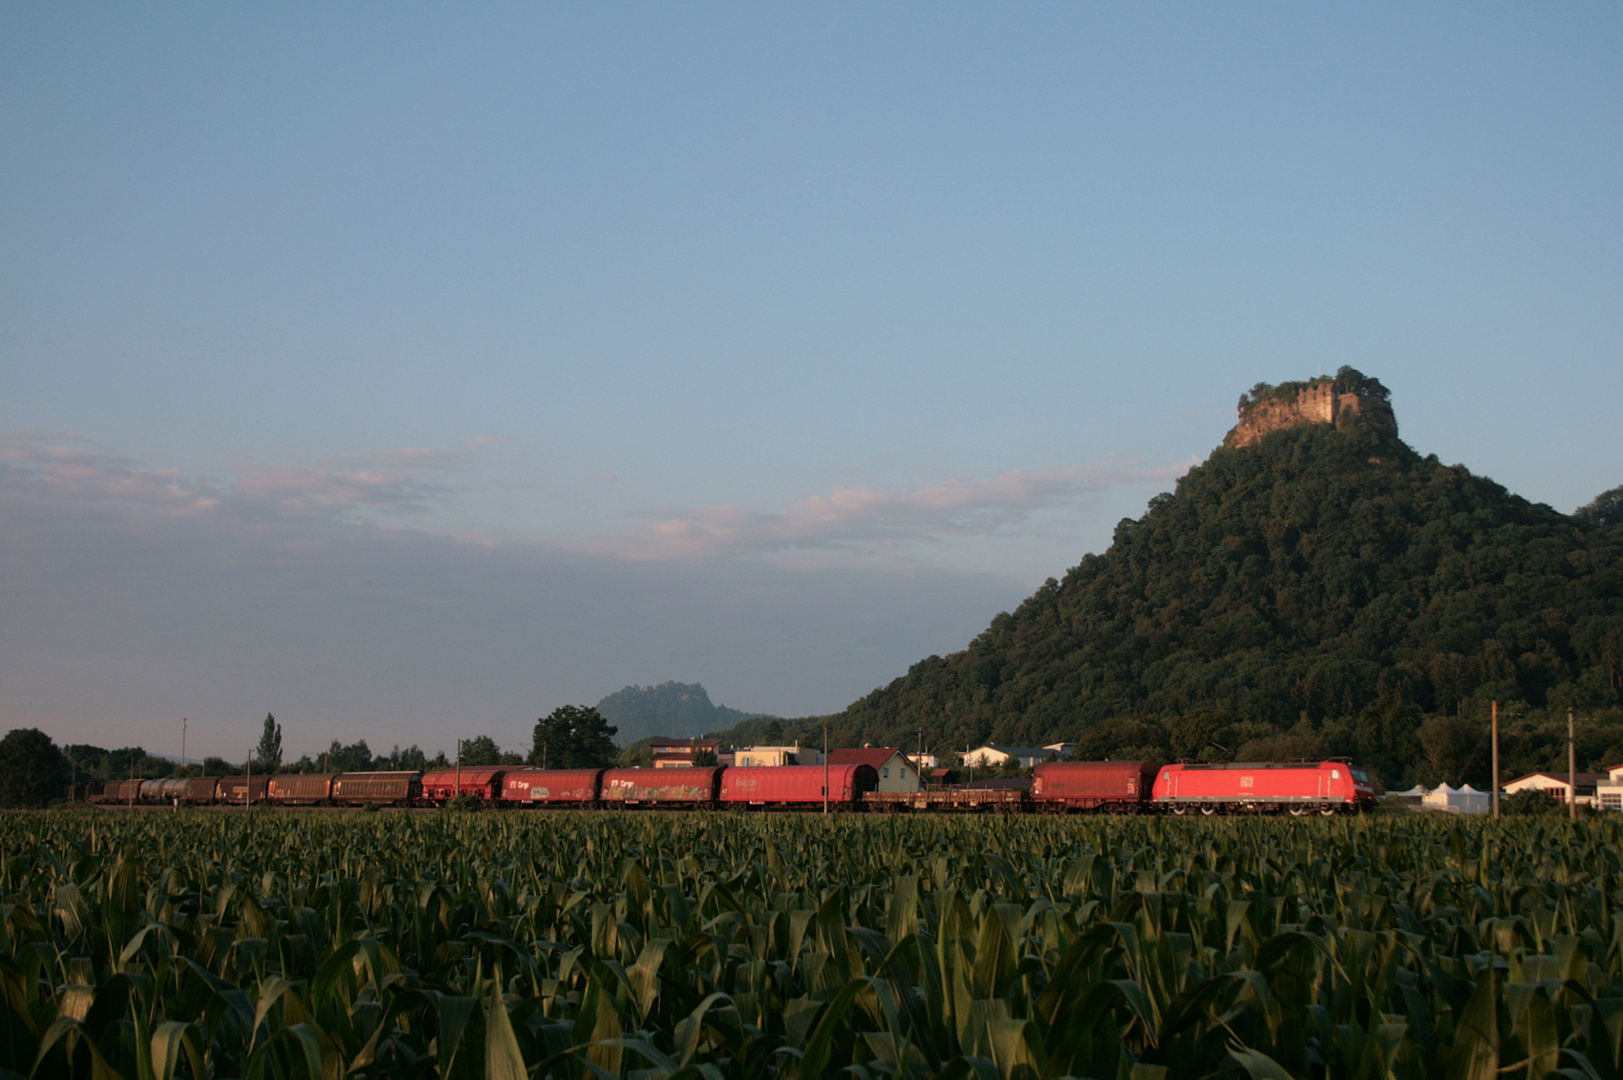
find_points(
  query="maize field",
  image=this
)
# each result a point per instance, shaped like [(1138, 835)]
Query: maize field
[(675, 946)]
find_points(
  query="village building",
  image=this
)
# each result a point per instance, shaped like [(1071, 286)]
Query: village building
[(1555, 785), (679, 753), (1024, 756), (757, 756), (896, 772)]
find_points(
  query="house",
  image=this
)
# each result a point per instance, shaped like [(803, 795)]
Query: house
[(1554, 784), (1463, 800), (1609, 792), (925, 762), (1024, 756), (896, 773), (679, 753), (777, 755)]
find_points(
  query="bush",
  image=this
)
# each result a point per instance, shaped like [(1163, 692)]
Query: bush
[(464, 801)]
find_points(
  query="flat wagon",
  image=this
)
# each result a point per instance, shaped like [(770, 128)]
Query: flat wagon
[(1092, 785), (1302, 787), (382, 788), (446, 784), (300, 789), (551, 787), (795, 786), (684, 786)]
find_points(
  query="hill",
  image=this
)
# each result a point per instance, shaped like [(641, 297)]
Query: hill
[(673, 709), (1315, 586)]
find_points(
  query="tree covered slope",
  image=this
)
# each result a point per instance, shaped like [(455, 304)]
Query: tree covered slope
[(1326, 579)]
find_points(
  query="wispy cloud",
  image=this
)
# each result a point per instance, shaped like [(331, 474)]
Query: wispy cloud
[(400, 481), (879, 517)]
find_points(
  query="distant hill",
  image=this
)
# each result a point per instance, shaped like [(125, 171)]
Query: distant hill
[(1316, 586), (673, 709)]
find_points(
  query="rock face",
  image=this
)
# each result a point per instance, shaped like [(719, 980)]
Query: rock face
[(1348, 396)]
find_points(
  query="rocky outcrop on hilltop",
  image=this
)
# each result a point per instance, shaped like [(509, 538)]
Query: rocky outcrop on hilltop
[(1347, 397)]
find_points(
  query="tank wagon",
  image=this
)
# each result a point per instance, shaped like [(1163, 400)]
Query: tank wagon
[(1324, 787)]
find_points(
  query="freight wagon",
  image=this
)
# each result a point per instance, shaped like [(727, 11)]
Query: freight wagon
[(551, 787), (445, 785), (790, 787), (381, 788), (687, 786), (1327, 787), (1119, 786), (300, 789), (242, 789)]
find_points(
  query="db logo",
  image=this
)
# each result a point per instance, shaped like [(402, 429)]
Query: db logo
[(1245, 781)]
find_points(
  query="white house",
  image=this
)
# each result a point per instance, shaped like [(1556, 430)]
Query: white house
[(777, 755), (1609, 792), (1024, 756), (1554, 784), (896, 772)]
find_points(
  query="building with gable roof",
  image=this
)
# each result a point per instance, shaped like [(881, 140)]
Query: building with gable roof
[(896, 772)]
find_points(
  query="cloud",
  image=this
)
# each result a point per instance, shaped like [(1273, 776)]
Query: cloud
[(879, 518), (135, 596), (390, 481)]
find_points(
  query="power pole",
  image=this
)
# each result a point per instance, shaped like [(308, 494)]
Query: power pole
[(1496, 761), (458, 790), (825, 766), (1572, 769), (182, 742), (132, 781), (248, 792)]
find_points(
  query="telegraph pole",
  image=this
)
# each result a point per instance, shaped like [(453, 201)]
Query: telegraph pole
[(825, 766), (182, 742), (458, 790), (1572, 769), (1496, 761)]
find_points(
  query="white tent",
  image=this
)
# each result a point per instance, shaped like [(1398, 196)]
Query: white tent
[(1462, 800)]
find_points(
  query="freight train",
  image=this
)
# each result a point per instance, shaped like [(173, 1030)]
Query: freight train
[(1322, 787)]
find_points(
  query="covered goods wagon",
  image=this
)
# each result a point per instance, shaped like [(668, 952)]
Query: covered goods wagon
[(683, 786), (243, 789), (201, 790), (795, 785), (551, 787), (300, 789), (447, 784), (382, 788), (1092, 785), (1298, 787)]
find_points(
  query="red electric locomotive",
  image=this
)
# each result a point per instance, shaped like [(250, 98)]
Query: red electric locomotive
[(1303, 787)]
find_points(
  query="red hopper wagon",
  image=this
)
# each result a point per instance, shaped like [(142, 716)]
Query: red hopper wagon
[(1298, 787), (1092, 785), (447, 784)]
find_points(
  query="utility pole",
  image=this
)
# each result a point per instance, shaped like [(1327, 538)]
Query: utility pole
[(1572, 769), (1496, 761), (132, 781), (182, 742), (248, 792), (825, 766), (458, 790)]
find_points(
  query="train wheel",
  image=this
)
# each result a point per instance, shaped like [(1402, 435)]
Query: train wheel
[(1179, 809), (1327, 811), (1298, 811), (1208, 810)]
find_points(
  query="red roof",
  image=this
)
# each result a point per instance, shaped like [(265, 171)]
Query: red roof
[(876, 756)]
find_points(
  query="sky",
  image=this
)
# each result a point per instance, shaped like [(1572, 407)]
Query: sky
[(411, 370)]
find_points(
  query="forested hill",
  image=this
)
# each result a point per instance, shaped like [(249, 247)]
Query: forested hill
[(1323, 589)]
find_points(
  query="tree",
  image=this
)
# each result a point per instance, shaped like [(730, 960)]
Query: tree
[(356, 757), (481, 750), (574, 737), (268, 755), (32, 770), (704, 758), (1606, 509)]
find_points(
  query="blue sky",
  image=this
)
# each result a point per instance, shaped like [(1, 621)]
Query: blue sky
[(410, 371)]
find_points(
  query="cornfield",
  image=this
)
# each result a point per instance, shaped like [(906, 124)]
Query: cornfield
[(286, 944)]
